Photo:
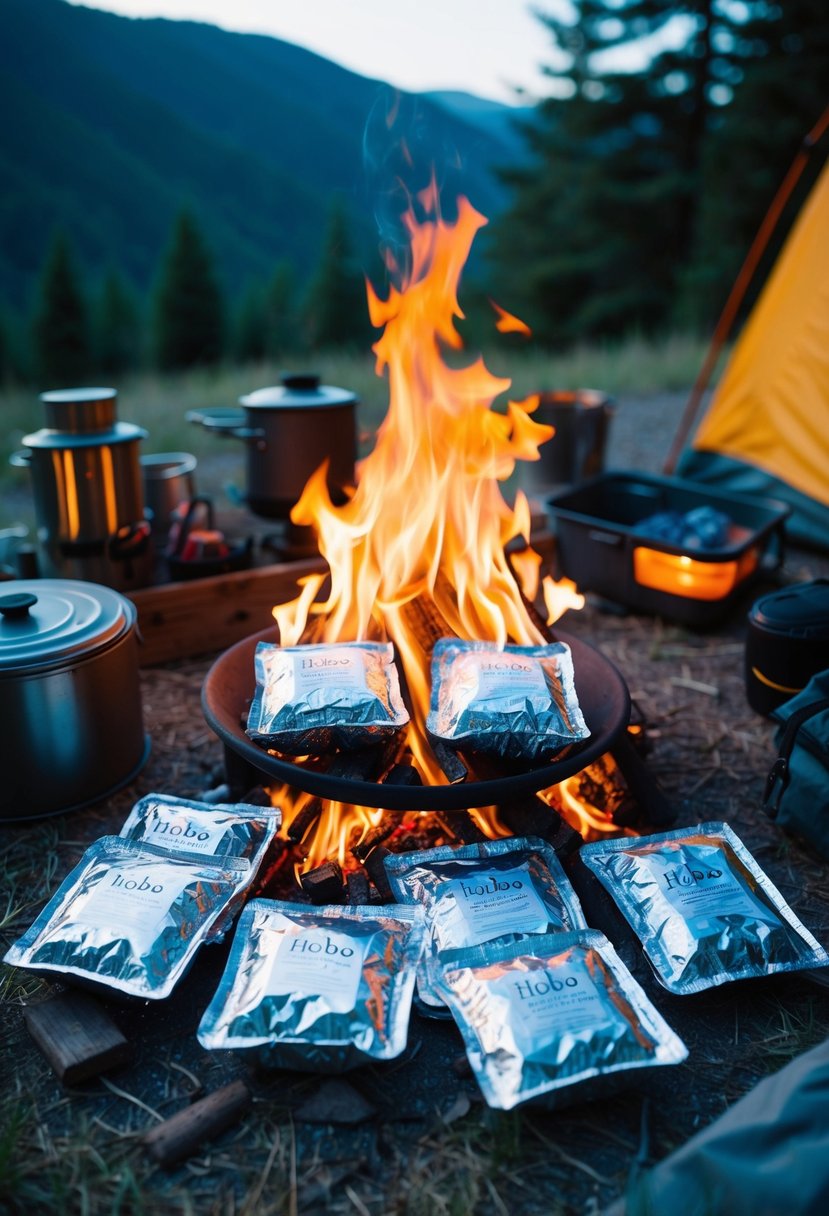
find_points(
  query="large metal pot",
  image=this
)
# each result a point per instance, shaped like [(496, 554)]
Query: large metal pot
[(88, 491), (288, 431), (71, 726)]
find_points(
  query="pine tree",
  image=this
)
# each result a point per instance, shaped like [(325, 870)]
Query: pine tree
[(188, 313), (282, 336), (117, 327), (60, 331), (251, 326), (606, 215), (335, 311)]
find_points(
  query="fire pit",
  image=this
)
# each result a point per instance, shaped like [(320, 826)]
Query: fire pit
[(603, 697)]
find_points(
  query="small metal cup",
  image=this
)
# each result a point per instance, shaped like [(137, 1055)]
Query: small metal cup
[(168, 482)]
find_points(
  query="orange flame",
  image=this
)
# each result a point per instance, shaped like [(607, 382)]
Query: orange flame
[(507, 323), (426, 522)]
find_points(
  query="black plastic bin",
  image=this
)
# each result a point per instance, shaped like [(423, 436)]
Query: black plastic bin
[(599, 547)]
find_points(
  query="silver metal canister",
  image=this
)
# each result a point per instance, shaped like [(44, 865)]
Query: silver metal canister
[(71, 724), (88, 490)]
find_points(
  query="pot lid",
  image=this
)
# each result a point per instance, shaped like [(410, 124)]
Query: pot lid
[(799, 611), (297, 391), (74, 396), (121, 432), (47, 622)]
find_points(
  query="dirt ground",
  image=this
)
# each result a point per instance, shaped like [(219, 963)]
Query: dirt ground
[(415, 1137)]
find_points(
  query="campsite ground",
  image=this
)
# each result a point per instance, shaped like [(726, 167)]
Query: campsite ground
[(423, 1142)]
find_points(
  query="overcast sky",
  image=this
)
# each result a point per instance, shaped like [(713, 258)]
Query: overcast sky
[(487, 47)]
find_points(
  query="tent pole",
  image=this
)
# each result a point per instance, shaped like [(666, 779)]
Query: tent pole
[(738, 291)]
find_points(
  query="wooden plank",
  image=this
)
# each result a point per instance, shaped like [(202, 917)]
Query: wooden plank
[(180, 620), (190, 1128), (77, 1036)]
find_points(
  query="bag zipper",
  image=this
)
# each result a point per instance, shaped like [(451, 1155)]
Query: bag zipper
[(778, 777)]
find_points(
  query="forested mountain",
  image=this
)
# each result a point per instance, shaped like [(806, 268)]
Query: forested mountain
[(111, 125)]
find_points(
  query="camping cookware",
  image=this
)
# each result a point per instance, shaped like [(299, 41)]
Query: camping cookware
[(288, 431), (88, 492), (608, 542), (168, 482), (787, 643), (581, 418), (70, 701), (198, 549)]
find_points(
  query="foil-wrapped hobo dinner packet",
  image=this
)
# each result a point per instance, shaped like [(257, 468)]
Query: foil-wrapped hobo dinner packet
[(211, 829), (130, 917), (553, 1018), (313, 699), (516, 702), (476, 892), (702, 907), (320, 989)]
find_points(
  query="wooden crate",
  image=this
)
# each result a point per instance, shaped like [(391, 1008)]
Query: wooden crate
[(181, 620)]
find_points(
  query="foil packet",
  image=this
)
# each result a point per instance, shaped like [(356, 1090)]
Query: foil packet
[(517, 702), (505, 889), (315, 699), (702, 908), (317, 989), (553, 1018), (211, 830), (129, 917)]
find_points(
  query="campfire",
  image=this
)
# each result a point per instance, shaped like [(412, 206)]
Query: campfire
[(426, 546)]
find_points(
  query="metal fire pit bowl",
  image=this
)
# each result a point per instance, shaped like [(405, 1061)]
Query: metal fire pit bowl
[(603, 696)]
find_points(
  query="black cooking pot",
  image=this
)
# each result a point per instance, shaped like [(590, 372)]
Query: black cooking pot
[(288, 431), (70, 700)]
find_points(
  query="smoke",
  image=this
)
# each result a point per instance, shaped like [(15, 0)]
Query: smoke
[(407, 148)]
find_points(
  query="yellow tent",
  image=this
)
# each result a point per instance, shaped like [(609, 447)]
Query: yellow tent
[(766, 430)]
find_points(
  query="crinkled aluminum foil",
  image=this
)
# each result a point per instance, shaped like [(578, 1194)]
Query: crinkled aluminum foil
[(211, 830), (703, 909), (319, 989), (315, 699), (129, 917), (555, 1012), (518, 702), (505, 889)]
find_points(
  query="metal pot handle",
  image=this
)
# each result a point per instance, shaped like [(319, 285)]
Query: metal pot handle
[(225, 421), (21, 459)]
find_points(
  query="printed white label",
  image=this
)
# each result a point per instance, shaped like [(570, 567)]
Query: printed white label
[(179, 832), (134, 901), (318, 962), (321, 669), (499, 675), (546, 1003), (497, 901), (701, 883)]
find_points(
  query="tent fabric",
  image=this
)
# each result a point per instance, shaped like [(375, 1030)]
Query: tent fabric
[(767, 1155), (770, 412)]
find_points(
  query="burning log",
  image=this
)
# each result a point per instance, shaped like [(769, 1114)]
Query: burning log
[(377, 872), (304, 820), (324, 884), (531, 816), (380, 832), (403, 773), (359, 888)]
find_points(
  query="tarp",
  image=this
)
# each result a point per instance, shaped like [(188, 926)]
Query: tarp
[(766, 430)]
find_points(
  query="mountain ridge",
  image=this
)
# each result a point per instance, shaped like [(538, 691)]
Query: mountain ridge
[(119, 122)]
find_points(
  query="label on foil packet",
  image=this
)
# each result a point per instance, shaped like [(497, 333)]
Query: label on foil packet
[(702, 908), (213, 830), (496, 889), (315, 699), (518, 702), (551, 1013), (318, 989), (129, 917)]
